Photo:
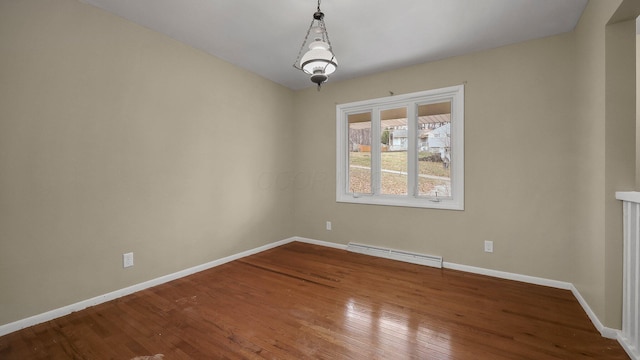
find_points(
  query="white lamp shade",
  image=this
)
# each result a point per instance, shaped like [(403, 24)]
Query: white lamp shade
[(318, 58)]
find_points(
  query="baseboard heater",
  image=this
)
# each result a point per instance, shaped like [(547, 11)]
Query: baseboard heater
[(410, 257)]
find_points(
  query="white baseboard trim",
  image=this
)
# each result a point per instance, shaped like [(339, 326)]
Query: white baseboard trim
[(604, 331), (65, 310), (509, 276), (633, 353), (320, 242)]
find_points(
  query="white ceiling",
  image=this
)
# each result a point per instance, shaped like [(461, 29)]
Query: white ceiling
[(367, 36)]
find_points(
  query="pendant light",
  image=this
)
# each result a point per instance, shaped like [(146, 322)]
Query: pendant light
[(319, 61)]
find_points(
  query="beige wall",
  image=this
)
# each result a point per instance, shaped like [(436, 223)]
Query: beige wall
[(543, 152), (519, 154), (606, 103), (638, 103), (590, 39), (620, 152), (113, 139)]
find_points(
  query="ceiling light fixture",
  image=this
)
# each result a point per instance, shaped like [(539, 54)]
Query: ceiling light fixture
[(319, 61)]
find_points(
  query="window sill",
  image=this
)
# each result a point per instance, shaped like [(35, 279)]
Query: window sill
[(389, 200)]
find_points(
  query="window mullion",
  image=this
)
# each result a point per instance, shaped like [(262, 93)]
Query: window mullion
[(376, 160), (343, 149), (412, 149)]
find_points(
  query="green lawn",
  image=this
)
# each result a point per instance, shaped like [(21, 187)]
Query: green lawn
[(360, 179), (398, 161)]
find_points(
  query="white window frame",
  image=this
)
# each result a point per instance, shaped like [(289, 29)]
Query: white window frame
[(411, 101)]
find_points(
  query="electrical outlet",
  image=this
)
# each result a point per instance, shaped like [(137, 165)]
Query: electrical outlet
[(488, 246), (329, 225), (127, 260)]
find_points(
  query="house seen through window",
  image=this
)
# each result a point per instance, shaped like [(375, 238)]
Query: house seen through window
[(403, 150)]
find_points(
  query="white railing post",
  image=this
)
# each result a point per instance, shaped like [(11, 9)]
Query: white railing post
[(630, 334)]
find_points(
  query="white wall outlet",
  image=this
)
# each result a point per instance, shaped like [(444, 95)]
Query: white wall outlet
[(127, 260), (488, 246), (328, 225)]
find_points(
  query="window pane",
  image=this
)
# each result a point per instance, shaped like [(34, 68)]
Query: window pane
[(404, 150), (434, 150), (360, 153), (393, 151)]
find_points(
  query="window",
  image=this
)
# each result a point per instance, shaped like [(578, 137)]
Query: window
[(404, 150)]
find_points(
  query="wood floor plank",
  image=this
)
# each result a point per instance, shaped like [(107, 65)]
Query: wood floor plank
[(301, 301)]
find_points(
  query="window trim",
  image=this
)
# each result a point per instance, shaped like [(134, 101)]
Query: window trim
[(455, 94)]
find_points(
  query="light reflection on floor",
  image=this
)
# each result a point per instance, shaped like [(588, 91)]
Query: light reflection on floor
[(392, 328)]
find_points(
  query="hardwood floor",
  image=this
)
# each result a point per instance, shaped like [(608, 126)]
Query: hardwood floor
[(302, 301)]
